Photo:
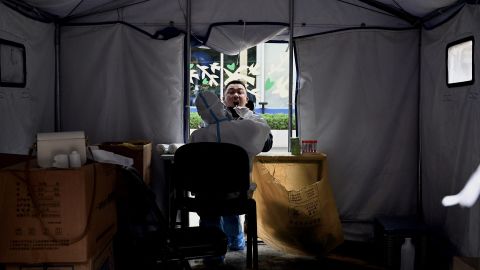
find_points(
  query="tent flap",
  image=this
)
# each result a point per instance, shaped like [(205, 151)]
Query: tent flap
[(358, 96), (231, 39), (130, 85)]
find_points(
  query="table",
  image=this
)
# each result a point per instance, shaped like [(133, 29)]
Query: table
[(305, 161), (169, 164), (168, 160), (296, 209)]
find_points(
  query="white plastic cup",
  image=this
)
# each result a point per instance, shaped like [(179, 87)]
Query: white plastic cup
[(74, 159), (60, 161)]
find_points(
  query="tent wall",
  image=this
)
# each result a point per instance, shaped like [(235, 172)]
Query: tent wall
[(24, 111), (358, 96), (450, 134), (118, 83)]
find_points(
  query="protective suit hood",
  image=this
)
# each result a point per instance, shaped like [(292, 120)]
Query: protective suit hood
[(210, 108), (250, 132)]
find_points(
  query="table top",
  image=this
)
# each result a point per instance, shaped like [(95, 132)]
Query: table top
[(288, 157), (167, 156), (274, 157)]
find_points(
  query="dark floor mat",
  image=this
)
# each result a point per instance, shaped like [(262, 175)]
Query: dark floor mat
[(350, 255)]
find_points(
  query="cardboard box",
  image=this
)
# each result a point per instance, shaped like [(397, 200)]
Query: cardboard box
[(465, 263), (103, 260), (7, 160), (48, 216), (139, 151)]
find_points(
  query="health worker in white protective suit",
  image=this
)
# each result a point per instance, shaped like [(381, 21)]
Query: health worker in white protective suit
[(249, 131)]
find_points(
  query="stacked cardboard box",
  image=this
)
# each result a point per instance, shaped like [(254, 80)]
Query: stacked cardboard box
[(139, 151), (61, 216), (465, 263), (103, 260), (11, 159)]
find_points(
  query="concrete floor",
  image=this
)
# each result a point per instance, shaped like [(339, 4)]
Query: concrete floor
[(351, 256)]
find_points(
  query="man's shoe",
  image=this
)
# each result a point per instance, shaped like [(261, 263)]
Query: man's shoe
[(236, 246), (236, 243)]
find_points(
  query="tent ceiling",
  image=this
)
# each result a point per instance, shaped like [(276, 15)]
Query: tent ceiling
[(63, 8), (311, 16), (418, 8)]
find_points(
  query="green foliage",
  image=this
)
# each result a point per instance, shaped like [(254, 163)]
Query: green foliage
[(278, 120), (195, 120), (275, 121)]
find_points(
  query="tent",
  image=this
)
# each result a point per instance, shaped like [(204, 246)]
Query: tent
[(372, 87)]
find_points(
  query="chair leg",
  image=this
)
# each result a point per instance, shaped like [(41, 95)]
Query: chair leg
[(254, 236), (252, 242), (249, 241)]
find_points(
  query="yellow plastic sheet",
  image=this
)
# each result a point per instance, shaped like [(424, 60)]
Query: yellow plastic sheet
[(296, 210)]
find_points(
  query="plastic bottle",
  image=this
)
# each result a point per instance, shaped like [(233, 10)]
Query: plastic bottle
[(295, 146), (407, 261), (74, 159)]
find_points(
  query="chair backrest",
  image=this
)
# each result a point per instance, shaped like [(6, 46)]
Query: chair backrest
[(210, 167)]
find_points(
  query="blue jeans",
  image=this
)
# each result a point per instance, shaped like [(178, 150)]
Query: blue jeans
[(231, 226)]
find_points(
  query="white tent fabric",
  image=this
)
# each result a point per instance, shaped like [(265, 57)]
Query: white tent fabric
[(312, 16), (232, 39), (363, 112), (130, 85), (419, 8), (450, 135), (148, 15), (207, 12), (118, 83), (64, 7), (26, 111)]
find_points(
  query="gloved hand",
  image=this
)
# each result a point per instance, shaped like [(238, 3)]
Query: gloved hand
[(243, 112)]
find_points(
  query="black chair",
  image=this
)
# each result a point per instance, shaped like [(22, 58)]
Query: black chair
[(144, 240), (219, 176)]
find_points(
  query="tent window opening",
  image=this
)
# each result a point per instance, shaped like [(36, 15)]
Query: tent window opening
[(264, 68), (460, 66), (12, 64)]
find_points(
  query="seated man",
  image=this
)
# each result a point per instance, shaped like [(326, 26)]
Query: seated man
[(236, 95), (248, 131)]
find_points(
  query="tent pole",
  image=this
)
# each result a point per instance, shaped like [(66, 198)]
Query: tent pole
[(58, 126), (420, 216), (290, 74), (188, 53)]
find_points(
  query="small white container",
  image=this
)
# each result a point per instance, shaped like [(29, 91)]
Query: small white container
[(74, 159)]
